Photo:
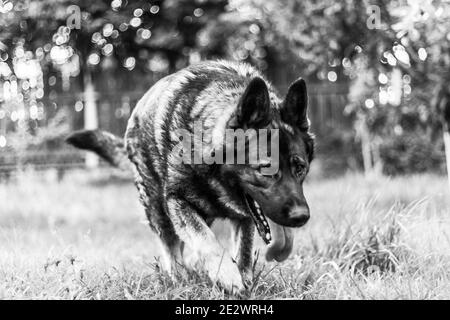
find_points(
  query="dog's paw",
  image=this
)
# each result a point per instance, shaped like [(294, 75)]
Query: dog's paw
[(224, 271), (247, 278)]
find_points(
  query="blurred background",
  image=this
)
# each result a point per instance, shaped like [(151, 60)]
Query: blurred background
[(378, 72)]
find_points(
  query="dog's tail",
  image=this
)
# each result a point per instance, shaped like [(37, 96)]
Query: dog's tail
[(105, 144)]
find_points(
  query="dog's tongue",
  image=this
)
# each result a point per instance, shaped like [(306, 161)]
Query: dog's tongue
[(282, 242)]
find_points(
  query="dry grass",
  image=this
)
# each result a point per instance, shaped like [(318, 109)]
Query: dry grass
[(84, 238)]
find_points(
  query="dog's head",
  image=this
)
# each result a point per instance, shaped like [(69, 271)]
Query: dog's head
[(273, 186)]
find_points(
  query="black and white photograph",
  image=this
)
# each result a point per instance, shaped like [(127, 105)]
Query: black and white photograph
[(218, 150)]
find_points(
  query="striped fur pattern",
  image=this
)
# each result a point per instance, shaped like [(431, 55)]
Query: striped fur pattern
[(181, 201)]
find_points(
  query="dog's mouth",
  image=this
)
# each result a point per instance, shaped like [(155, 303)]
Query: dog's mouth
[(259, 219), (283, 239)]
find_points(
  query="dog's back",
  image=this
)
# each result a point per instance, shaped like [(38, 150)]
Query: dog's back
[(207, 92)]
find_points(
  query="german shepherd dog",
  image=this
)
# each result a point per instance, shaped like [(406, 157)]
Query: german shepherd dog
[(182, 200)]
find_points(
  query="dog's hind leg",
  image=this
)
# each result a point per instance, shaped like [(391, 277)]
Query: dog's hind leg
[(149, 187), (170, 245), (194, 231), (160, 223)]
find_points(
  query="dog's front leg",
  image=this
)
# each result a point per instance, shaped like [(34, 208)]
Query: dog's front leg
[(245, 230), (192, 229)]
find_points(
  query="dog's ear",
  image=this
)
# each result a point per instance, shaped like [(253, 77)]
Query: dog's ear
[(295, 107), (253, 110)]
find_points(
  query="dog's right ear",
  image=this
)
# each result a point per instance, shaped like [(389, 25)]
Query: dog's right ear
[(253, 110)]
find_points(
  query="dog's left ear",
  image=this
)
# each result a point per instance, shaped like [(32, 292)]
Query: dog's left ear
[(253, 110), (295, 107)]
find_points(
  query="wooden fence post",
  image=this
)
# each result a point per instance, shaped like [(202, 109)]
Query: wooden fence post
[(363, 133), (90, 116)]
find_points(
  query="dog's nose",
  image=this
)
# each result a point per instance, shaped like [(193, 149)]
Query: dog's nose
[(299, 216)]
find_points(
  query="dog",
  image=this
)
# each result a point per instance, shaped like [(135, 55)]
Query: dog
[(182, 200)]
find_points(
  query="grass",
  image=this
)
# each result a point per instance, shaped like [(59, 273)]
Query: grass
[(86, 238)]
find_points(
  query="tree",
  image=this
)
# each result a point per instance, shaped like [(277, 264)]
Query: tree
[(423, 28)]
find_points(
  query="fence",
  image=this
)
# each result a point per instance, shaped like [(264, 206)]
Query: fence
[(327, 104)]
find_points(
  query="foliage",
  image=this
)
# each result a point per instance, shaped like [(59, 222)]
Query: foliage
[(109, 32), (412, 153)]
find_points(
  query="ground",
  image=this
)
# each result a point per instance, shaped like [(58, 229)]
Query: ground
[(85, 237)]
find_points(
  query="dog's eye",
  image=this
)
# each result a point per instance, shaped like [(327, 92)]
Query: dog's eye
[(299, 166), (300, 171)]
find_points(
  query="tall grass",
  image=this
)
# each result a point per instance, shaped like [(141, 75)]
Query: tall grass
[(86, 238)]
